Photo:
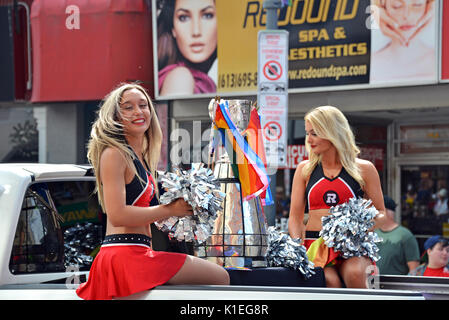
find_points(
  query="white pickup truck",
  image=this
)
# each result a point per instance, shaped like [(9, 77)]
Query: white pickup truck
[(51, 227)]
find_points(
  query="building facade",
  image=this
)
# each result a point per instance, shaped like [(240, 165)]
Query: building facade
[(62, 59)]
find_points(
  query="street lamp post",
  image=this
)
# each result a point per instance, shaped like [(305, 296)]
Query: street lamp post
[(271, 6)]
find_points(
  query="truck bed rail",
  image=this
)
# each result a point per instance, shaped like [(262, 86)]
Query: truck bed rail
[(213, 292)]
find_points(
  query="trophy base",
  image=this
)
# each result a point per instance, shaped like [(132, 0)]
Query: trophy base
[(238, 262)]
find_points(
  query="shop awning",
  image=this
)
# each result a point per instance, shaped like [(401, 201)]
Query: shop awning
[(84, 48)]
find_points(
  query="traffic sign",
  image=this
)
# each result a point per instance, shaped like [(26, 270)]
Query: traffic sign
[(273, 55), (272, 94), (272, 131), (272, 70)]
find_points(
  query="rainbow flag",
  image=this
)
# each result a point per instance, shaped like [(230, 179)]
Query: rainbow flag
[(286, 2), (246, 164), (255, 141)]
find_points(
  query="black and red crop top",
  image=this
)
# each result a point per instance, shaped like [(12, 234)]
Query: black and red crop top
[(139, 193), (323, 192)]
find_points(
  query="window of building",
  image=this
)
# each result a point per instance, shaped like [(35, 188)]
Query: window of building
[(420, 151), (189, 143), (423, 138), (424, 199)]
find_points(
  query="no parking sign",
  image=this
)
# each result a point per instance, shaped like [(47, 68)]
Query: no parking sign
[(272, 70), (272, 131), (272, 94)]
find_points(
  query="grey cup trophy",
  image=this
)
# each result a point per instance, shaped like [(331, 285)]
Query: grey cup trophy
[(239, 238)]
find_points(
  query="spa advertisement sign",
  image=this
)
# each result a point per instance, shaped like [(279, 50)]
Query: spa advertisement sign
[(211, 48)]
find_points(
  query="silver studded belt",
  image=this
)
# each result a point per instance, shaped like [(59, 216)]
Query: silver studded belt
[(131, 238)]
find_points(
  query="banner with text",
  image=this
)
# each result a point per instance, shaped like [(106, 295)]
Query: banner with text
[(329, 42), (208, 47), (297, 153)]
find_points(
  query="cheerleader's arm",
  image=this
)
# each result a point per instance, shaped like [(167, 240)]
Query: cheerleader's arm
[(373, 190), (296, 227)]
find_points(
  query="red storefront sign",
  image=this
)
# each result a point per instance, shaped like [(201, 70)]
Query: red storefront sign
[(84, 48), (298, 153), (295, 154)]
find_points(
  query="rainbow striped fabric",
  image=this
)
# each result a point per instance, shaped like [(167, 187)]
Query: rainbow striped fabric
[(246, 163)]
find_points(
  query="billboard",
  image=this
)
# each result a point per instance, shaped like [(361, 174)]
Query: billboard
[(329, 43), (338, 44), (185, 38), (404, 42)]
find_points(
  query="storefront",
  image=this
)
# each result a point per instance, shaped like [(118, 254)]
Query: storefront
[(398, 115), (421, 168)]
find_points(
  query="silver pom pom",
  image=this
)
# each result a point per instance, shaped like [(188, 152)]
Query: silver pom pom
[(199, 188), (347, 227), (283, 251)]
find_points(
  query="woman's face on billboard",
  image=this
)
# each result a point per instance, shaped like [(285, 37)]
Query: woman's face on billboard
[(195, 29), (406, 13)]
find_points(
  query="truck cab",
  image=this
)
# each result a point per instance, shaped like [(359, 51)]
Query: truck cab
[(52, 224)]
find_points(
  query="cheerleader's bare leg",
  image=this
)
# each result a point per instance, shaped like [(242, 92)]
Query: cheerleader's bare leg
[(332, 278), (198, 271), (354, 272)]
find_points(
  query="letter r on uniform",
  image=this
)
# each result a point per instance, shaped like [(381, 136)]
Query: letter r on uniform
[(331, 198)]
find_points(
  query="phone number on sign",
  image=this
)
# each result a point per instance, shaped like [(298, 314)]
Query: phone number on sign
[(237, 80)]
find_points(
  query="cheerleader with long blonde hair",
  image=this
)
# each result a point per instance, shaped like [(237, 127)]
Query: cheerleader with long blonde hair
[(332, 175), (124, 150)]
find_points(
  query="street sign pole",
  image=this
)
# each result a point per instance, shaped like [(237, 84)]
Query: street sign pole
[(272, 95)]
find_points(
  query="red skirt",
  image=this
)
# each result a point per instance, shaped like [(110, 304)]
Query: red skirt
[(320, 254), (122, 268)]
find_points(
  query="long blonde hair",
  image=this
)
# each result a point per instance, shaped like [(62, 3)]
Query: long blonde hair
[(107, 131), (330, 123)]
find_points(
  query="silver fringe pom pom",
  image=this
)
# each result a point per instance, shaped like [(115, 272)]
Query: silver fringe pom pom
[(199, 188), (283, 251), (347, 227)]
